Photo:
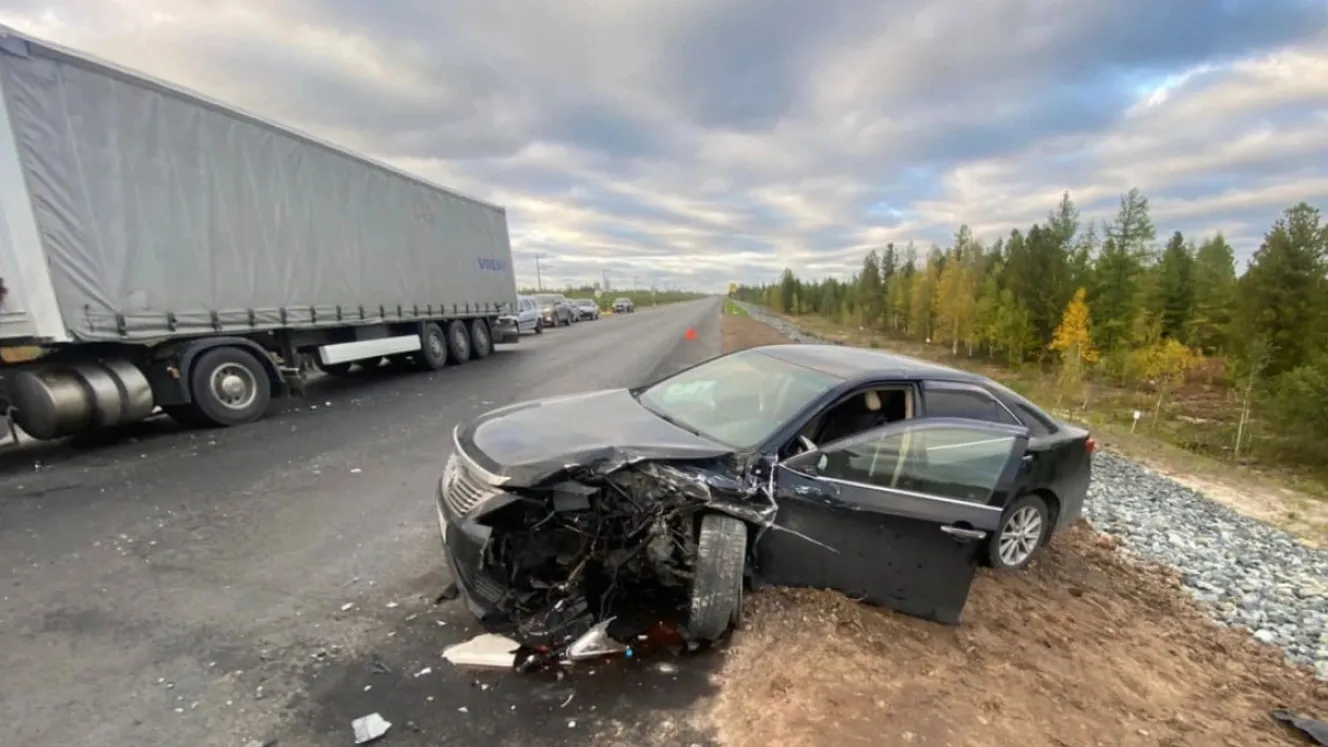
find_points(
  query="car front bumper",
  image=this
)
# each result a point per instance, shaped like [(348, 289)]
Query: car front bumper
[(506, 329), (463, 544)]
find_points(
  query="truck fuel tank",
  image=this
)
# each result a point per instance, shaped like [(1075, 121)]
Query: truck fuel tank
[(55, 400)]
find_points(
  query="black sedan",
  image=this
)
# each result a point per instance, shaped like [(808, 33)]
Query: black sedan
[(887, 478)]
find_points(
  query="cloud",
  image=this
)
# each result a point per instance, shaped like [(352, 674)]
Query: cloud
[(689, 142)]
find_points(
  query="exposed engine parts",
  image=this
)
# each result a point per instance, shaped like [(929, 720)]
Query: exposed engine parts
[(590, 547)]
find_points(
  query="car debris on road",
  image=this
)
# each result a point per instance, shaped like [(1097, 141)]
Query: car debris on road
[(368, 728), (577, 524)]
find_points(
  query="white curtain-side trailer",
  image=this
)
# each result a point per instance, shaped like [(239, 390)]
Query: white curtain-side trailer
[(159, 249)]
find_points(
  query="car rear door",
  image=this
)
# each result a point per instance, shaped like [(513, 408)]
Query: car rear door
[(894, 516)]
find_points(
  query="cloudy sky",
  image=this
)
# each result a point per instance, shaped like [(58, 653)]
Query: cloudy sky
[(694, 142)]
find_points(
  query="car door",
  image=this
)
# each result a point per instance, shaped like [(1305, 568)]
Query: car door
[(895, 515)]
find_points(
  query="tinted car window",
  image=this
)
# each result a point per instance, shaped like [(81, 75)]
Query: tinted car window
[(960, 463), (963, 403)]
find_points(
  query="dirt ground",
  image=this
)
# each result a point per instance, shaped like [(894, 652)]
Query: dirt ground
[(1084, 647)]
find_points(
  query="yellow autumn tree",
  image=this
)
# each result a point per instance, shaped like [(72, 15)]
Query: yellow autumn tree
[(1074, 341), (955, 304), (1166, 362)]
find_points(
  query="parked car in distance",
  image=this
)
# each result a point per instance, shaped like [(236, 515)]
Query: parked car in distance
[(623, 306), (882, 476), (527, 315), (555, 311), (586, 308)]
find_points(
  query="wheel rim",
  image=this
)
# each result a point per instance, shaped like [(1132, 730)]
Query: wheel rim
[(1019, 537), (436, 347), (234, 386), (481, 337)]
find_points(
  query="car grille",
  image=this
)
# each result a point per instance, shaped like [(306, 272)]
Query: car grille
[(466, 490)]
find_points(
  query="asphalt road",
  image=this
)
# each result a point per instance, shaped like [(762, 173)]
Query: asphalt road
[(171, 587)]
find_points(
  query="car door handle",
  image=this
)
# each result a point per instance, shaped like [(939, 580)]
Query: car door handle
[(963, 532)]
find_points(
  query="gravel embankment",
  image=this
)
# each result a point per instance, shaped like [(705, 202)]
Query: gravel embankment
[(1249, 573)]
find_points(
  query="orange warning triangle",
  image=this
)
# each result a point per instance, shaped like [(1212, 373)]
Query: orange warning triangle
[(691, 334)]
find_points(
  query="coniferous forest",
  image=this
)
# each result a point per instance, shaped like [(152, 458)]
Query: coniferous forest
[(1115, 319)]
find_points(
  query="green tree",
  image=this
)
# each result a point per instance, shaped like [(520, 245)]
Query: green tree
[(1214, 294), (870, 294), (1175, 292), (1283, 290)]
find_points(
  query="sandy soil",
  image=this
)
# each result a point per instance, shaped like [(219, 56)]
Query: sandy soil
[(1084, 647)]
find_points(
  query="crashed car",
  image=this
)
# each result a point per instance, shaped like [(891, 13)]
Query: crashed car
[(886, 478)]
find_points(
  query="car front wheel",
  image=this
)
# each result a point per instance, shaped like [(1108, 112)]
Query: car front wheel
[(1024, 528), (721, 557)]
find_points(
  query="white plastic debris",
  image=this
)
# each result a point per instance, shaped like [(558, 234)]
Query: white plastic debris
[(595, 642), (487, 650), (424, 672), (347, 606), (368, 728)]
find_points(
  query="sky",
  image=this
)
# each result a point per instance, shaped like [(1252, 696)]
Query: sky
[(693, 143)]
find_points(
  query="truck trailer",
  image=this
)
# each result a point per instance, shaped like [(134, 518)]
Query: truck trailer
[(161, 250)]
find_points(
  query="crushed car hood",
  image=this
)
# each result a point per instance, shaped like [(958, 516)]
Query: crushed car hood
[(528, 442)]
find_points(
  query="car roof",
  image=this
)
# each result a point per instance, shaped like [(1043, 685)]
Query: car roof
[(847, 362)]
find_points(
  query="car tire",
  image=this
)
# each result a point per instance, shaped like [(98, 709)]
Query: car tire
[(539, 327), (229, 386), (1026, 521), (433, 347), (721, 558), (459, 347), (481, 341)]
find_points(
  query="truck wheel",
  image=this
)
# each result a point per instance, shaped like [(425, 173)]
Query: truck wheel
[(481, 342), (716, 600), (458, 341), (229, 386), (433, 347)]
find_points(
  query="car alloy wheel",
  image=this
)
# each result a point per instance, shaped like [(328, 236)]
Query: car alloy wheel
[(1021, 534)]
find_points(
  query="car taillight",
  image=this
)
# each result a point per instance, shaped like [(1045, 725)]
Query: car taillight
[(1090, 445)]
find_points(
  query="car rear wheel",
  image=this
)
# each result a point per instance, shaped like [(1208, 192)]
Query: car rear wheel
[(1024, 527), (539, 327), (721, 555)]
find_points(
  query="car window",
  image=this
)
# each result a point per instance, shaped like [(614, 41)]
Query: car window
[(739, 399), (957, 463), (966, 403)]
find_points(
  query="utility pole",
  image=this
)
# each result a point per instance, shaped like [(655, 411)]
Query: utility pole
[(539, 279)]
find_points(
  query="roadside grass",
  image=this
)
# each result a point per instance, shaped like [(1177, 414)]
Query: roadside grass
[(1191, 441), (732, 308)]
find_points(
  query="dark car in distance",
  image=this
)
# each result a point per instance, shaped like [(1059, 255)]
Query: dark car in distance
[(884, 477)]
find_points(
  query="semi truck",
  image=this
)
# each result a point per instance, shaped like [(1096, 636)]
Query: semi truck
[(161, 251)]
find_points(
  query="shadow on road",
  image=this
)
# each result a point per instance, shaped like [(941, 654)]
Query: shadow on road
[(160, 431)]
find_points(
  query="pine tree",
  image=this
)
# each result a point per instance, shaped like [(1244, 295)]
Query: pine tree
[(1174, 298), (1214, 294), (1283, 290)]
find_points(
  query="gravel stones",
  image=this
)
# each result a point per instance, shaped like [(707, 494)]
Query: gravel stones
[(1247, 572)]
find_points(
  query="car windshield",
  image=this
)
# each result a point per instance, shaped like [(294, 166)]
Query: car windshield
[(586, 304), (740, 399), (546, 300)]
